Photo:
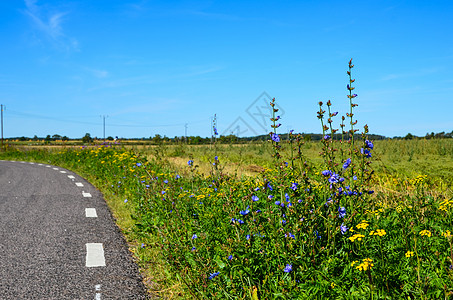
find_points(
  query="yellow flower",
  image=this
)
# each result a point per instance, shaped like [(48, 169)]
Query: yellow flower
[(379, 232), (366, 264), (425, 233), (357, 236), (409, 254), (363, 225), (446, 234)]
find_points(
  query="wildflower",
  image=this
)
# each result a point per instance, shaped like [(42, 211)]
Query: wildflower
[(165, 181), (190, 162), (326, 137), (343, 228), (366, 264), (347, 163), (379, 232), (269, 186), (294, 186), (163, 192), (363, 224), (446, 234), (230, 257), (212, 275), (356, 236), (247, 237), (365, 152), (275, 137), (177, 177), (369, 144), (335, 178), (257, 189), (194, 236), (288, 268), (317, 235), (287, 197), (425, 233), (193, 248), (125, 201), (290, 235), (255, 198), (245, 212), (341, 212), (409, 254)]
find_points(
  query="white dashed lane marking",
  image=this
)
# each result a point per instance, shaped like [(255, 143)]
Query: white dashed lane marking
[(71, 177), (48, 166), (86, 195), (97, 287), (64, 172), (91, 213), (79, 184), (95, 255), (56, 169)]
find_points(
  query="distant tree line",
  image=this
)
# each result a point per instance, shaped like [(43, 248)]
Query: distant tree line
[(223, 139)]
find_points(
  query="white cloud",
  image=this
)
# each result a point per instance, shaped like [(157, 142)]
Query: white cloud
[(50, 24)]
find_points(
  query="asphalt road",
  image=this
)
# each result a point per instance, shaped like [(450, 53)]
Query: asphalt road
[(52, 247)]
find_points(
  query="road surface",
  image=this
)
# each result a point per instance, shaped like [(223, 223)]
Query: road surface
[(58, 239)]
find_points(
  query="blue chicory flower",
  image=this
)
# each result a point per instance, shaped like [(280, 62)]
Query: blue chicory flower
[(341, 212), (255, 198), (275, 137), (212, 275), (288, 268), (347, 163), (343, 228)]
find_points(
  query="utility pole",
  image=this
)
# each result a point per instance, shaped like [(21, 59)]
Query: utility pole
[(103, 117), (1, 108)]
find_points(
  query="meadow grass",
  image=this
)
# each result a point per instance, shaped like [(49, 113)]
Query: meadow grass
[(337, 219)]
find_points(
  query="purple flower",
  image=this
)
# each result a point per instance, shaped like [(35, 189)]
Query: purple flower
[(343, 228), (212, 275), (277, 203), (143, 245), (255, 198), (294, 186), (216, 158), (177, 177), (275, 137), (257, 189), (245, 212), (347, 163), (139, 164), (163, 192), (369, 144), (230, 257), (287, 197), (334, 178), (326, 173), (194, 236), (125, 201), (247, 237), (193, 248), (326, 137), (288, 268), (365, 152), (190, 162), (270, 197), (334, 114), (269, 186), (165, 181), (341, 212)]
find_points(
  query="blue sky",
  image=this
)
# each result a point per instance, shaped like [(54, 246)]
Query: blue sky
[(157, 66)]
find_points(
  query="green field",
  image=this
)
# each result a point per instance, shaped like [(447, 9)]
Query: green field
[(398, 241)]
